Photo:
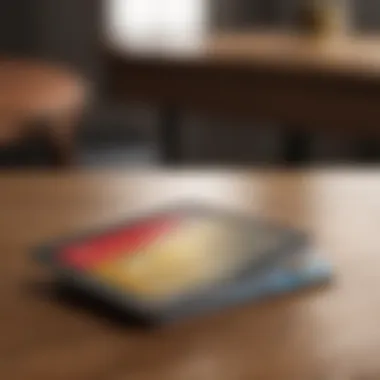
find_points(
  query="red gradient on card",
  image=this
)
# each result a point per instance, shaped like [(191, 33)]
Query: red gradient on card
[(115, 244)]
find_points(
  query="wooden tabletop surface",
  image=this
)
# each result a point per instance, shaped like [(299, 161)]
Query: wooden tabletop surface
[(329, 333)]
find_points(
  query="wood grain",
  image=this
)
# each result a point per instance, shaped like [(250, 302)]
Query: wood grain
[(329, 333)]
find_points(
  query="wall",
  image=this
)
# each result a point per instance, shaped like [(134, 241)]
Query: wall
[(68, 30), (14, 27), (367, 14), (63, 30)]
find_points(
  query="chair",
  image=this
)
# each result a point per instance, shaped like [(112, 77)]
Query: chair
[(37, 97)]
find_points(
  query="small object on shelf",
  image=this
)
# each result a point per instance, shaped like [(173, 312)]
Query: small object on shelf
[(324, 18)]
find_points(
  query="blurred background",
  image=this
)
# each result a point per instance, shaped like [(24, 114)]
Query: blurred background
[(77, 33)]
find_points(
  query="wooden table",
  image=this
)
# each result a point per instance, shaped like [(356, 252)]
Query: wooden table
[(330, 333), (329, 85)]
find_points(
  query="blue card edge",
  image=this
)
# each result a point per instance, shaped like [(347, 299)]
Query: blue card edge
[(275, 283)]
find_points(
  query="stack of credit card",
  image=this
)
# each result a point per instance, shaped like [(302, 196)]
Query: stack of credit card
[(186, 261)]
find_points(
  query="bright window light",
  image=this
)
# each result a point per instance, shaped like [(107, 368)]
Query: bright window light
[(156, 23)]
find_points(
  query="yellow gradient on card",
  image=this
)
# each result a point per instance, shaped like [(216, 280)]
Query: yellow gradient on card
[(186, 259)]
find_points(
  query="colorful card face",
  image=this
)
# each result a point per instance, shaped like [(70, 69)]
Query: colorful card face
[(175, 262), (116, 244), (168, 256), (158, 259)]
